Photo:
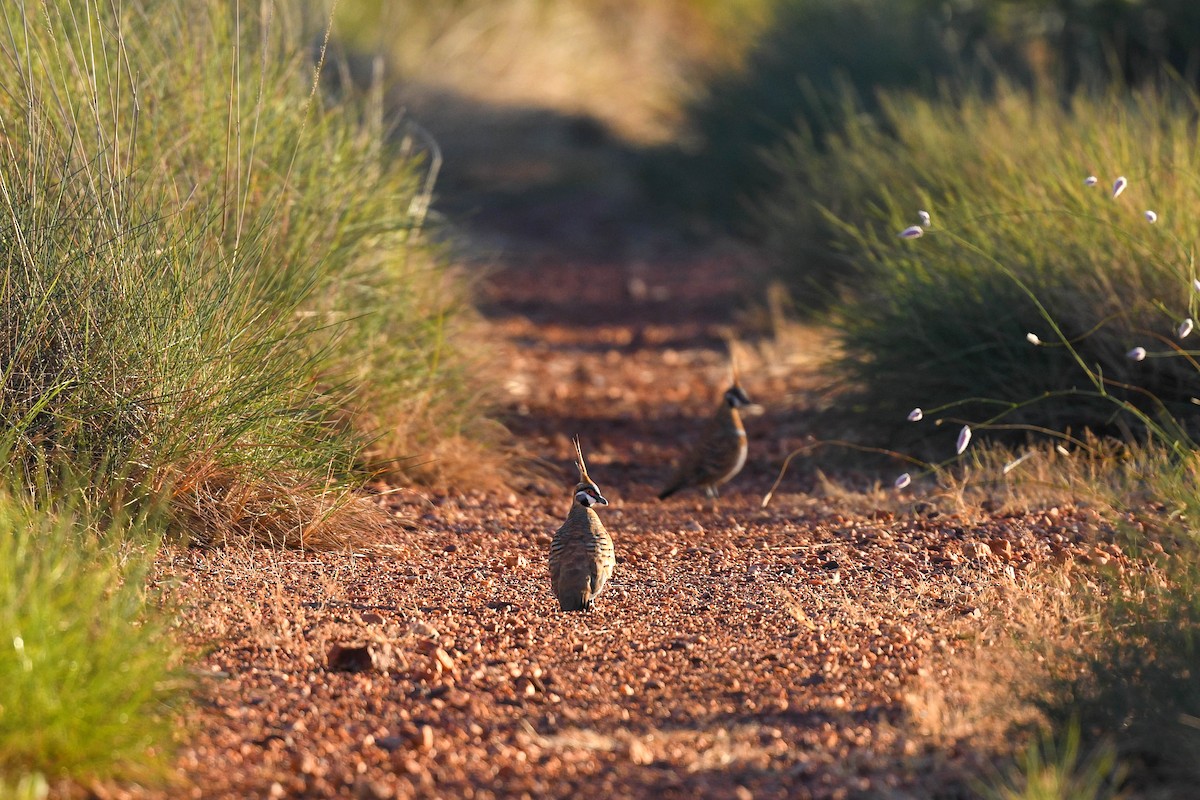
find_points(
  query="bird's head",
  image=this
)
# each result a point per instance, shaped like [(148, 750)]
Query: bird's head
[(736, 397), (587, 493)]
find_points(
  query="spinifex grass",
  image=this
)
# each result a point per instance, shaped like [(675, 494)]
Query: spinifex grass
[(208, 268), (943, 319), (86, 683)]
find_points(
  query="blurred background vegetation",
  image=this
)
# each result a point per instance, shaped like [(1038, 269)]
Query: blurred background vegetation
[(811, 129)]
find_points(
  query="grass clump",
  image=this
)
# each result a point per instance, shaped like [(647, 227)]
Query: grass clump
[(213, 274), (1058, 770), (86, 666), (1017, 245), (1138, 689), (1135, 691)]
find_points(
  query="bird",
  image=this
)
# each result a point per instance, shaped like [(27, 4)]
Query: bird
[(721, 451), (581, 553)]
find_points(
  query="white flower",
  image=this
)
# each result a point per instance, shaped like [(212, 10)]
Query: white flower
[(926, 220), (1062, 450), (1010, 466), (1185, 328), (1119, 186), (964, 439), (1151, 217), (915, 415), (1090, 180), (912, 232), (903, 480), (1032, 338), (1136, 354), (1196, 284)]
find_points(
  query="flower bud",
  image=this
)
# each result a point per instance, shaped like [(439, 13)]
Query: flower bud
[(964, 439)]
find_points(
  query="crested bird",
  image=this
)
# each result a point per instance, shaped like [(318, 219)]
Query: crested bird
[(720, 452), (581, 552)]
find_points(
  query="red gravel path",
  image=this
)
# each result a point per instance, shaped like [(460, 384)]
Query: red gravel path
[(740, 652)]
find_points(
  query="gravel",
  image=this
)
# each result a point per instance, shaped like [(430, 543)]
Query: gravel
[(739, 652)]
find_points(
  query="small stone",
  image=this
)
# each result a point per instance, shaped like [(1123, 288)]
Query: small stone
[(366, 789), (390, 743), (639, 753), (424, 630), (350, 658), (1002, 548), (978, 551), (443, 658), (371, 618)]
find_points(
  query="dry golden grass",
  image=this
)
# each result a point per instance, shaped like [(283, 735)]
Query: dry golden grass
[(1069, 468), (220, 507), (1002, 663)]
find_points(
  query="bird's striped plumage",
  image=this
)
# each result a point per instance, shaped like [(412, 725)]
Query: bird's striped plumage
[(720, 453), (581, 553)]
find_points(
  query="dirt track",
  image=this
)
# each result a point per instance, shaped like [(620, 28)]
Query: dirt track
[(740, 652)]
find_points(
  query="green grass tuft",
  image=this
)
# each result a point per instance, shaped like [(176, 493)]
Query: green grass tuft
[(87, 678), (1018, 245), (207, 265), (1058, 770)]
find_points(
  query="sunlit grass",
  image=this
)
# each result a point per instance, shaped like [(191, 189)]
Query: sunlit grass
[(209, 267), (87, 681), (1050, 293), (943, 322)]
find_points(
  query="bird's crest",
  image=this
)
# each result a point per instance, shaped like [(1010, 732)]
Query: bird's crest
[(583, 476), (735, 378)]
